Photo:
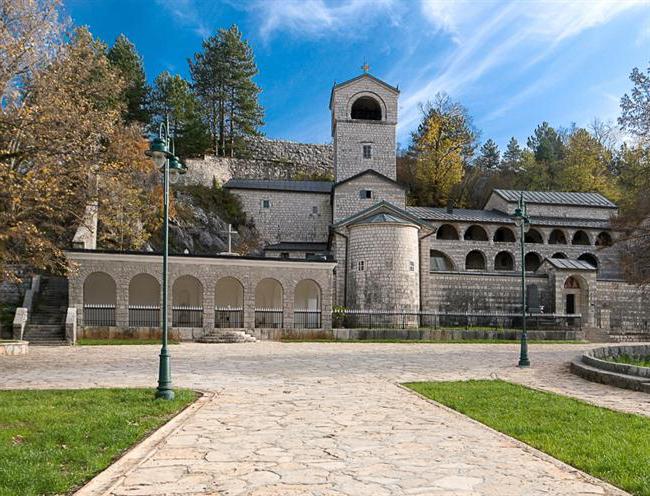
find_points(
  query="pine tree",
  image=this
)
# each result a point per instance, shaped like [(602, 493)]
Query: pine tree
[(512, 157), (489, 156), (635, 107), (223, 81), (128, 62)]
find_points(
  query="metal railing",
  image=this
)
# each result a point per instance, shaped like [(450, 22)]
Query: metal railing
[(99, 315), (144, 316), (369, 319), (307, 319), (228, 317), (270, 318), (187, 316)]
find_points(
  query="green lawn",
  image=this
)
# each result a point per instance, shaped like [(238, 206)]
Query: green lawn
[(51, 442), (638, 361), (429, 341), (102, 342), (610, 445)]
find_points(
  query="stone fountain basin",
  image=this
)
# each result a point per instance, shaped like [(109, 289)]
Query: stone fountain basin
[(594, 366)]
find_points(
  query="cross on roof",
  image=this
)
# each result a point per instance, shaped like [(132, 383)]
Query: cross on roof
[(365, 67)]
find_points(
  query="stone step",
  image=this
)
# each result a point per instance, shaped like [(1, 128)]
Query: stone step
[(51, 342), (221, 336)]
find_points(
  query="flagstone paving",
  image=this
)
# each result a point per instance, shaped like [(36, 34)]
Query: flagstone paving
[(330, 419)]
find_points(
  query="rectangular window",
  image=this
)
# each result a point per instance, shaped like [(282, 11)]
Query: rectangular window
[(314, 209), (412, 266), (365, 193), (284, 254), (266, 203), (362, 266), (367, 151)]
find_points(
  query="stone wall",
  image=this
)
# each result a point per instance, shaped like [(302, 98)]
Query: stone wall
[(267, 159), (347, 199), (627, 306), (291, 216)]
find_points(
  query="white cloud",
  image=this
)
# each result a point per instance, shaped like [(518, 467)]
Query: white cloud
[(186, 13)]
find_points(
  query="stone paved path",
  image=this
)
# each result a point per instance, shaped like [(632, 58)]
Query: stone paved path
[(330, 419)]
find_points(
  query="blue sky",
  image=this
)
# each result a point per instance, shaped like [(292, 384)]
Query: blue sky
[(513, 64)]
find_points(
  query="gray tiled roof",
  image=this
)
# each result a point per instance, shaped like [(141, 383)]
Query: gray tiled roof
[(296, 246), (277, 185), (567, 263), (569, 222), (459, 214), (556, 198)]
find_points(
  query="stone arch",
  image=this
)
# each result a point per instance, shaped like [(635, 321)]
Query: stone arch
[(504, 235), (99, 289), (504, 261), (604, 239), (447, 231), (557, 237), (575, 296), (532, 261), (590, 258), (533, 236), (580, 237), (475, 260), (559, 254), (475, 233), (269, 294), (187, 291), (307, 305), (229, 293), (366, 107), (439, 261), (144, 289)]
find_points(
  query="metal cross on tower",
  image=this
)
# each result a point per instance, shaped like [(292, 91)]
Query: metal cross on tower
[(365, 67), (230, 232)]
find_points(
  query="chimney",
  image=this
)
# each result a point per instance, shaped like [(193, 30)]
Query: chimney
[(450, 206)]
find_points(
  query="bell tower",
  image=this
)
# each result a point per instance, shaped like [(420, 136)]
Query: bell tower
[(364, 116)]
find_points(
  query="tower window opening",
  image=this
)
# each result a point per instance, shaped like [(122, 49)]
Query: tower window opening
[(366, 108), (362, 266), (266, 203), (367, 151), (365, 193)]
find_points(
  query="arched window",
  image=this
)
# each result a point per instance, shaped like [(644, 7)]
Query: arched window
[(559, 254), (187, 302), (447, 231), (475, 233), (475, 260), (144, 301), (504, 261), (229, 303), (580, 238), (269, 304), (604, 239), (504, 235), (532, 261), (533, 236), (590, 259), (307, 305), (557, 237), (99, 300), (366, 108), (438, 261)]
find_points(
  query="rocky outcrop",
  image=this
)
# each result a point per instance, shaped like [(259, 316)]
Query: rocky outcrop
[(265, 159)]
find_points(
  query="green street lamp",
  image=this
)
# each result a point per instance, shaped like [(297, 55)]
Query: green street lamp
[(170, 167), (523, 223)]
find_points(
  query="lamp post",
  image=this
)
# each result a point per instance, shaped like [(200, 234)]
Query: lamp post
[(170, 166), (523, 223)]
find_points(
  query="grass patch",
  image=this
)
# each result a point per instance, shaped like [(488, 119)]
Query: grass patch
[(51, 442), (610, 445), (430, 341), (630, 360), (102, 342)]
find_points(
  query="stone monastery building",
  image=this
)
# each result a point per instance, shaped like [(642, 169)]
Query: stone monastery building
[(354, 243)]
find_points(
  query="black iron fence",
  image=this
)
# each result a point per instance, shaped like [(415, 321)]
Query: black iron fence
[(99, 315), (228, 317), (270, 318), (307, 319), (144, 316), (367, 319), (187, 316)]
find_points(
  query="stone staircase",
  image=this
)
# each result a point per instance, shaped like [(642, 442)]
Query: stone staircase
[(226, 336), (596, 335), (46, 323)]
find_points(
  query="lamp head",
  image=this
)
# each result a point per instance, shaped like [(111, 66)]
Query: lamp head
[(176, 168), (158, 151)]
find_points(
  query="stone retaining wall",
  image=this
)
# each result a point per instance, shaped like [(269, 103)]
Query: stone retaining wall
[(14, 348)]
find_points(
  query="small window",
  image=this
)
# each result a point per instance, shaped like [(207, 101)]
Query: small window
[(362, 266), (365, 193), (314, 209), (412, 266), (284, 254), (367, 151), (266, 203)]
